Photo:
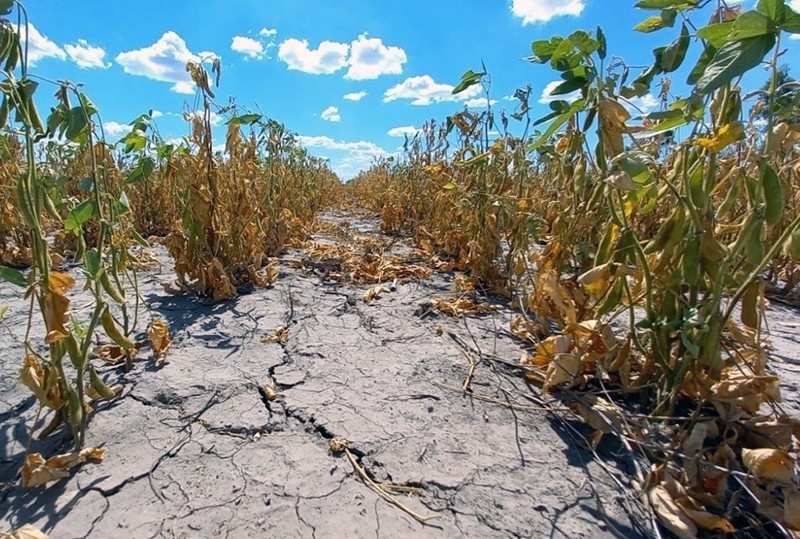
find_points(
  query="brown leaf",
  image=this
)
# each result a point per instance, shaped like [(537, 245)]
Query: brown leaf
[(563, 369), (671, 514), (791, 509), (38, 471)]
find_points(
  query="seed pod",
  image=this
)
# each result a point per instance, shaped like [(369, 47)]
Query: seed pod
[(791, 246), (24, 206), (100, 386), (773, 195), (691, 261), (80, 247), (75, 410), (671, 230), (750, 304), (733, 108), (111, 288), (754, 248), (730, 199), (74, 351), (612, 299), (113, 331)]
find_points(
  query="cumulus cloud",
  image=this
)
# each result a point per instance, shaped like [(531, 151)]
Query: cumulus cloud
[(640, 104), (329, 57), (407, 130), (86, 56), (164, 61), (355, 96), (156, 114), (331, 114), (370, 58), (39, 46), (548, 97), (479, 103), (532, 11), (357, 156), (423, 90), (251, 48), (267, 32), (116, 129)]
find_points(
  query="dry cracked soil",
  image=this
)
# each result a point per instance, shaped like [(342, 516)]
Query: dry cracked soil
[(194, 449)]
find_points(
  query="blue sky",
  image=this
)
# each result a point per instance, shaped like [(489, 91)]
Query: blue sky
[(349, 76)]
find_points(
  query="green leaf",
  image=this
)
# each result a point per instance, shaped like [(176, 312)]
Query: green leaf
[(142, 171), (576, 107), (750, 24), (657, 22), (76, 124), (672, 56), (246, 119), (773, 9), (79, 215), (733, 60), (680, 5), (470, 78), (6, 6), (543, 49), (13, 276), (702, 63), (601, 39), (123, 204), (716, 34), (791, 21), (92, 263), (585, 43), (139, 239)]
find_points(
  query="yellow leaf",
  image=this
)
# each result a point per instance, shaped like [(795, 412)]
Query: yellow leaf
[(726, 135), (158, 333), (38, 471), (769, 465), (27, 532)]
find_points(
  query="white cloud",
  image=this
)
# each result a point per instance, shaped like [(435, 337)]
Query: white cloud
[(358, 155), (87, 56), (331, 114), (267, 32), (479, 103), (248, 46), (165, 61), (640, 105), (424, 90), (328, 58), (216, 119), (408, 130), (370, 58), (532, 11), (39, 46), (355, 96), (116, 129), (156, 114), (547, 96)]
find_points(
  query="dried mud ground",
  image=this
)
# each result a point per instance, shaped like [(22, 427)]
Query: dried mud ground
[(194, 450)]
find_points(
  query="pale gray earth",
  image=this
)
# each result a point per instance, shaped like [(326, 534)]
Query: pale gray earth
[(193, 450)]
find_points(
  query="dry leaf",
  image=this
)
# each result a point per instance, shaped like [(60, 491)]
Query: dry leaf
[(791, 509), (374, 293), (37, 471), (279, 335), (671, 514), (563, 369), (158, 333), (26, 532), (769, 465)]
